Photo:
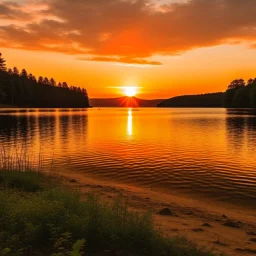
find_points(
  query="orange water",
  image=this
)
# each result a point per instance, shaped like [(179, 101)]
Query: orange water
[(201, 152)]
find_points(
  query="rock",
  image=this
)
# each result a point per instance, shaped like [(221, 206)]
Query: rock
[(220, 243), (197, 230), (253, 240), (232, 224), (250, 233), (166, 212), (73, 181), (207, 225), (224, 216), (99, 186)]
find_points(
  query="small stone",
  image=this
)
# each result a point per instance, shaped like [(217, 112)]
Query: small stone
[(166, 212), (224, 216), (253, 240), (220, 243), (99, 186), (232, 224), (73, 181), (197, 230), (207, 225)]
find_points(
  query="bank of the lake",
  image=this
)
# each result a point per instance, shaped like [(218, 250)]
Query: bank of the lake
[(40, 215), (53, 214), (221, 227)]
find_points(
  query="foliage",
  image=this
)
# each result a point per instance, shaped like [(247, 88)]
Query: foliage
[(240, 94), (2, 63), (209, 100), (63, 244), (23, 89), (60, 222), (31, 182)]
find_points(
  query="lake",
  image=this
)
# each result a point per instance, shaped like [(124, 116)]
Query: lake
[(206, 153)]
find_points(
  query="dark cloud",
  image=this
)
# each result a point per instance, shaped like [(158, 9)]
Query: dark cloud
[(130, 30)]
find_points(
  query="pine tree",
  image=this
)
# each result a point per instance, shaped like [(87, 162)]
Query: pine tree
[(40, 80), (15, 71), (52, 82), (46, 81), (2, 63), (10, 72), (65, 85), (24, 73)]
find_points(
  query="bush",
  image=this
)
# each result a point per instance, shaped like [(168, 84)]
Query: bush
[(60, 222)]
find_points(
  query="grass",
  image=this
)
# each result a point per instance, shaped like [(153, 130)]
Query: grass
[(41, 216), (37, 219)]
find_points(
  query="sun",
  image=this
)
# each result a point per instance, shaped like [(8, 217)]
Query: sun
[(130, 91)]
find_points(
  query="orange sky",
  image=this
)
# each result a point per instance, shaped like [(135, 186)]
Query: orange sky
[(166, 47)]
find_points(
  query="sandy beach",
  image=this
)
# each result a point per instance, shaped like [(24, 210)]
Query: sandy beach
[(224, 228)]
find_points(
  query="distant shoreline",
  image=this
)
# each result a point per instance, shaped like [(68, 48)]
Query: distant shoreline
[(14, 106)]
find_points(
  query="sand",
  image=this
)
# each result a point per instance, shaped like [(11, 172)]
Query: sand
[(224, 228)]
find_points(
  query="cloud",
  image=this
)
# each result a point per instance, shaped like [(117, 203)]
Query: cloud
[(126, 31), (124, 60)]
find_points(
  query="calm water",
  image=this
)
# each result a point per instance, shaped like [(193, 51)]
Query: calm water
[(201, 152)]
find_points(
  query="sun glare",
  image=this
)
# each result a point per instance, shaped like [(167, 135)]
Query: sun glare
[(130, 91)]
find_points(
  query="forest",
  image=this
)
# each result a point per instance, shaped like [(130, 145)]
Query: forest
[(23, 89), (209, 100), (241, 94)]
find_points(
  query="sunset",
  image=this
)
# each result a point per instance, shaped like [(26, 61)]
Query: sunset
[(127, 127), (168, 47)]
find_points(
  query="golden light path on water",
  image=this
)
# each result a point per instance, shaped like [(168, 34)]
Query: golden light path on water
[(129, 123)]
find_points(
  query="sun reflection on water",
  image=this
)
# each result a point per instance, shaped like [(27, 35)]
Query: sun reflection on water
[(129, 123)]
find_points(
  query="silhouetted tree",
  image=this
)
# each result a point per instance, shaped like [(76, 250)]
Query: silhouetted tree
[(46, 81), (2, 63), (30, 77), (235, 84), (10, 72), (40, 80), (239, 95), (15, 71), (253, 95), (250, 81), (52, 82), (65, 85), (24, 73), (24, 90), (2, 93)]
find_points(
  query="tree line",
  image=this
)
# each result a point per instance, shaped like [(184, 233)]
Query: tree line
[(23, 89), (241, 94), (208, 100)]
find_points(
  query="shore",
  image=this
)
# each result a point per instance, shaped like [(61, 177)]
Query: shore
[(8, 106), (227, 229)]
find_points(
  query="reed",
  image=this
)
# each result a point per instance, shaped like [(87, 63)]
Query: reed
[(20, 159)]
